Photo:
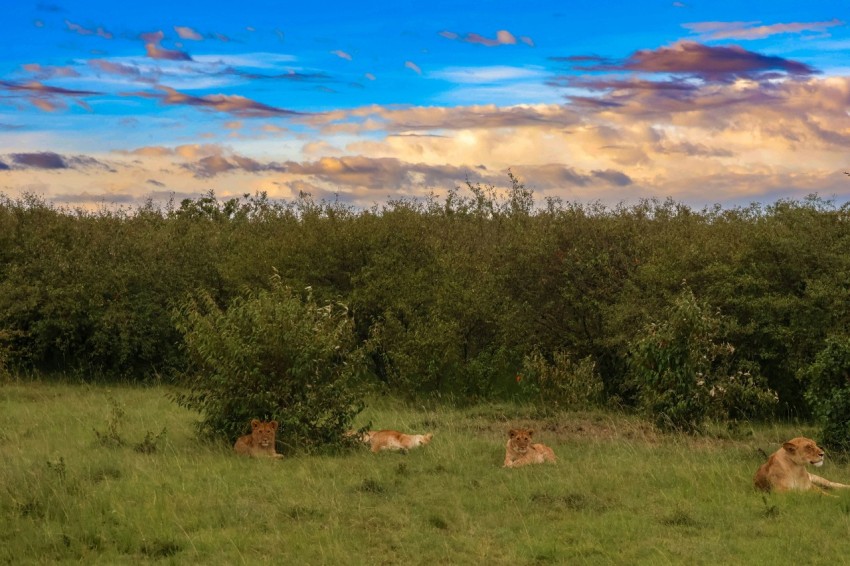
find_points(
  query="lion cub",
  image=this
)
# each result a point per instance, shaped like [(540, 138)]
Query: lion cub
[(260, 443), (519, 450), (394, 440), (786, 468)]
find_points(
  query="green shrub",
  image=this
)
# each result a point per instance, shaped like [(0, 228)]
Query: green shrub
[(685, 374), (828, 392), (562, 382), (272, 354)]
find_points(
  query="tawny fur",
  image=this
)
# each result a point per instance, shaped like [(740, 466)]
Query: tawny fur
[(394, 440), (260, 443), (363, 437), (520, 451), (785, 470)]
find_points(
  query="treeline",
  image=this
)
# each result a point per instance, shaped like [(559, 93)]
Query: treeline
[(473, 295)]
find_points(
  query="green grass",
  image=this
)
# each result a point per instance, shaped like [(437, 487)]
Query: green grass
[(621, 493)]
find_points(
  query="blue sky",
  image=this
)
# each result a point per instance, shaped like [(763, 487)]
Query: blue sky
[(730, 102)]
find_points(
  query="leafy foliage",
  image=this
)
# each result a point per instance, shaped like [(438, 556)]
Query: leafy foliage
[(271, 354), (828, 379), (561, 383), (684, 372), (449, 294)]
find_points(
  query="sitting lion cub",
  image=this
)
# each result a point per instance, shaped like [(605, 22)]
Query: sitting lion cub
[(394, 440), (786, 468), (260, 443), (520, 451)]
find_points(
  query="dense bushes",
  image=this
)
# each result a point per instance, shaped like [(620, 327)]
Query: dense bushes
[(685, 374), (454, 296), (271, 354)]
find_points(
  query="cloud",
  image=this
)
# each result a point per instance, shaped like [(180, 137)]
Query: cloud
[(705, 62), (381, 173), (99, 31), (43, 160), (503, 37), (213, 165), (341, 54), (556, 175), (38, 87), (750, 31), (154, 51), (45, 72), (413, 67), (229, 103), (188, 33)]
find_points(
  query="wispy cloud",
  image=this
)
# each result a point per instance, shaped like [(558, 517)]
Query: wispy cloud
[(413, 67), (503, 37), (77, 28), (754, 30), (228, 103), (341, 54)]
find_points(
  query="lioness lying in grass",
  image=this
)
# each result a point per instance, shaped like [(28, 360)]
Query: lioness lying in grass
[(786, 468), (260, 443)]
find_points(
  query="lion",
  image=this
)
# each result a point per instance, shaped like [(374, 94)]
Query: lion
[(260, 443), (785, 469), (519, 450), (394, 440)]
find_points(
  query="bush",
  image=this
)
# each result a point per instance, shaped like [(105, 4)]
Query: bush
[(684, 374), (272, 354), (828, 392), (563, 382)]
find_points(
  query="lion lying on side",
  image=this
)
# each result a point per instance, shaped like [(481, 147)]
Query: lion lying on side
[(519, 450), (260, 443), (394, 440), (786, 468)]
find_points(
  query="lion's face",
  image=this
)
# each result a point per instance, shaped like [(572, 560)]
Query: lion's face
[(520, 439), (263, 433), (804, 451)]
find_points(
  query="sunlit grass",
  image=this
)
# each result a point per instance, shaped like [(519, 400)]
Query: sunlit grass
[(621, 493)]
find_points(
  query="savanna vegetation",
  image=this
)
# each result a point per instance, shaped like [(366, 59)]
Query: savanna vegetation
[(661, 351), (687, 315), (115, 474)]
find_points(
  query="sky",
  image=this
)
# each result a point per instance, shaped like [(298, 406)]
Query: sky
[(703, 101)]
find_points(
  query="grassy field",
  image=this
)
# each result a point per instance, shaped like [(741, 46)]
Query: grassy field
[(74, 488)]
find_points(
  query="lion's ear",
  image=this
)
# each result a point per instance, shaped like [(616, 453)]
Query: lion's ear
[(789, 447), (255, 423), (530, 432), (274, 424), (512, 433)]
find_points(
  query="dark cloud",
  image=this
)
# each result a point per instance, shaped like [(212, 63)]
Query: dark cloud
[(383, 173), (37, 87), (51, 160), (229, 103), (155, 183), (43, 160), (213, 165), (713, 64), (555, 175)]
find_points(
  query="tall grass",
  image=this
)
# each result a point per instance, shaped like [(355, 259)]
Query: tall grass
[(621, 493)]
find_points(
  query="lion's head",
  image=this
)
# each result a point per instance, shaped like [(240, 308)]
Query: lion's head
[(263, 433), (804, 451), (520, 439)]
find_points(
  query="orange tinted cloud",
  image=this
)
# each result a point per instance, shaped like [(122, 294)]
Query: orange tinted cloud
[(187, 33)]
